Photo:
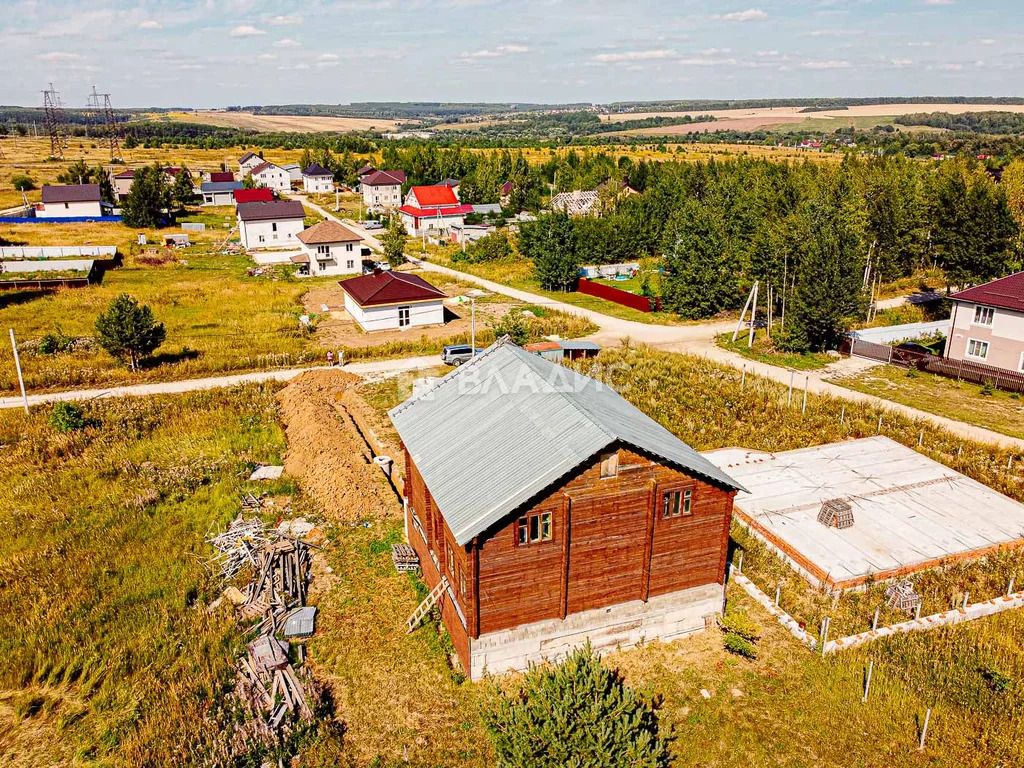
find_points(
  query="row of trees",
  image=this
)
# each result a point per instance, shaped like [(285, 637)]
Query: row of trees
[(807, 229)]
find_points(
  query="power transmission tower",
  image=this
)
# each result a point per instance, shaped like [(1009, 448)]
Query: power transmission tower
[(103, 114), (54, 122)]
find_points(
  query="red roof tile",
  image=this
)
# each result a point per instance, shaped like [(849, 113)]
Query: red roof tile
[(253, 195), (222, 176), (434, 196), (448, 210), (389, 287), (1006, 293)]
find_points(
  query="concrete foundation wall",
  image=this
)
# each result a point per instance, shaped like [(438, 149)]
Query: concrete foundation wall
[(666, 618)]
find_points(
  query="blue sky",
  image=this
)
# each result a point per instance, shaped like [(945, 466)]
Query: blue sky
[(210, 53)]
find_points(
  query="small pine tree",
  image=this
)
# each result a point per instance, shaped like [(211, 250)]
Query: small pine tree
[(183, 190), (554, 253), (128, 331), (514, 325), (67, 417), (148, 198), (579, 713)]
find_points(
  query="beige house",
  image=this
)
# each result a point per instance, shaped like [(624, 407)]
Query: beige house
[(987, 325), (382, 189), (329, 249)]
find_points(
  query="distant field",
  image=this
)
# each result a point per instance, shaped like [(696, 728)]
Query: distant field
[(271, 123)]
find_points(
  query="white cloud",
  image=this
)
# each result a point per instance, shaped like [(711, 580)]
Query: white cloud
[(494, 53), (247, 30), (615, 58), (767, 53), (704, 62), (267, 56), (328, 57), (284, 21), (952, 67), (151, 24), (831, 64), (920, 44), (58, 56), (987, 41), (286, 43), (715, 51), (938, 2), (751, 14), (900, 63)]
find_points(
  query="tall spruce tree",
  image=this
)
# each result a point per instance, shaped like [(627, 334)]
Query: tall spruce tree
[(700, 267), (148, 198), (827, 249), (555, 262)]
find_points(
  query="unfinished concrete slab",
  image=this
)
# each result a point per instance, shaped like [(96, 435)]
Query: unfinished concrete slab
[(909, 512)]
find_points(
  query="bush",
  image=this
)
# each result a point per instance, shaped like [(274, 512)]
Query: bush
[(67, 417), (22, 183), (740, 646), (740, 624), (578, 713), (55, 342), (514, 325)]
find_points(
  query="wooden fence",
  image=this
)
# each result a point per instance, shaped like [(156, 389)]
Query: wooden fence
[(962, 370), (625, 298)]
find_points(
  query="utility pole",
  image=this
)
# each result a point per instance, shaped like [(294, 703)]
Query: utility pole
[(17, 365), (472, 325), (54, 122)]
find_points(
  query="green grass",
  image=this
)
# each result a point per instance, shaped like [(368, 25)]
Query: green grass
[(960, 400), (764, 351), (108, 655), (218, 320)]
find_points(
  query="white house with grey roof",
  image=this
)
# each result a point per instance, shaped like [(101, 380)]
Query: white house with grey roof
[(271, 224)]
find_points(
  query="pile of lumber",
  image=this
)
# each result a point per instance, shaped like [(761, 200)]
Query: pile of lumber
[(279, 572)]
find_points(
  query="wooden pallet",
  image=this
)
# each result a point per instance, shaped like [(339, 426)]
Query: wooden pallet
[(404, 557)]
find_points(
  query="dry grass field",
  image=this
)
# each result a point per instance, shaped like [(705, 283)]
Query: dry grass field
[(291, 123)]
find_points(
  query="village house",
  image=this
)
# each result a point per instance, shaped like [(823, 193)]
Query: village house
[(317, 179), (122, 182), (328, 249), (219, 176), (171, 175), (547, 511), (452, 184), (389, 300), (274, 224), (71, 200), (435, 208), (382, 189), (268, 175), (578, 203), (294, 171), (247, 162), (987, 324), (219, 192), (505, 193)]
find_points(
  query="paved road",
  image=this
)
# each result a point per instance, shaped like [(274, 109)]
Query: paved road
[(379, 368), (368, 238)]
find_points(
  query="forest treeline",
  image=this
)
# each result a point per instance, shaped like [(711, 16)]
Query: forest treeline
[(973, 122)]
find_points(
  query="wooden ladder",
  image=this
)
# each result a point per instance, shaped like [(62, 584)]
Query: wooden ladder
[(428, 602)]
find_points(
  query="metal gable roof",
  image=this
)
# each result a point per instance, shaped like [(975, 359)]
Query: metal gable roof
[(506, 425)]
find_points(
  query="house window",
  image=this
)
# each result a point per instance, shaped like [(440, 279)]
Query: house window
[(532, 529), (262, 239), (676, 503), (451, 558), (348, 247), (462, 583), (403, 317), (322, 265), (273, 226), (977, 349), (610, 464), (1021, 366), (983, 315), (350, 264)]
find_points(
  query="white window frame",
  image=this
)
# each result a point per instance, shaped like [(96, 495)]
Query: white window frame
[(973, 356), (323, 250), (983, 311), (408, 317)]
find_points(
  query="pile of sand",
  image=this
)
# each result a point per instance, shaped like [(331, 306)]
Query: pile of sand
[(326, 453)]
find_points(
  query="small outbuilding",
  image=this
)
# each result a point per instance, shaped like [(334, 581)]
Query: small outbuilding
[(274, 224), (219, 192), (389, 300), (332, 249)]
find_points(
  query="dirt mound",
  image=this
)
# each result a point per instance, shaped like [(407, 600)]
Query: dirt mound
[(333, 462)]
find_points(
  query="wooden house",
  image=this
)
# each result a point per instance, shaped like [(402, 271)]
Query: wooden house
[(551, 512)]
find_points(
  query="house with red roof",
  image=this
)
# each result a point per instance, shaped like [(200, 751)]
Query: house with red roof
[(220, 176), (382, 189), (433, 208), (987, 325), (389, 300), (258, 195), (271, 176)]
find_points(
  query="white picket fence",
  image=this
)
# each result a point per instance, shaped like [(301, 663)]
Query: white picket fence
[(56, 251)]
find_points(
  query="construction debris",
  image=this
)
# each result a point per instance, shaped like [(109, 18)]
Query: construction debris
[(267, 473), (900, 596), (274, 600), (404, 557)]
